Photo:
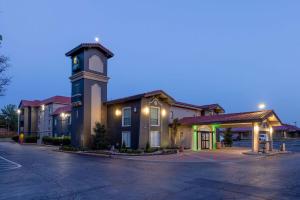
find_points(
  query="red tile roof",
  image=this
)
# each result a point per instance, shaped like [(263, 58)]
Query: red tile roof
[(64, 109), (54, 99), (245, 117), (98, 46)]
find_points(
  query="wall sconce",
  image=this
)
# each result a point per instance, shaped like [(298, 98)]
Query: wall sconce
[(146, 110), (118, 112), (63, 115), (163, 112)]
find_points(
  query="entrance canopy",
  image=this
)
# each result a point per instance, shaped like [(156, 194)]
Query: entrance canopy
[(244, 119), (263, 120)]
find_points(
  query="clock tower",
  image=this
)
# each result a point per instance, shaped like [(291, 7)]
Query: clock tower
[(89, 90)]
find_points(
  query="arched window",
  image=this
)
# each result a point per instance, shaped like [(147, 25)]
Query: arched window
[(96, 64)]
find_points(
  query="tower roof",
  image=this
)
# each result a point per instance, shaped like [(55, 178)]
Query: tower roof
[(98, 46)]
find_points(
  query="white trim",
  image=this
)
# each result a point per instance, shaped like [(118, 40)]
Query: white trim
[(156, 125), (123, 116)]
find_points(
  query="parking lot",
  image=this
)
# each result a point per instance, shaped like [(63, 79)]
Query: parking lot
[(48, 174)]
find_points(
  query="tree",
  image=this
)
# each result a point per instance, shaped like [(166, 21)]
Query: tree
[(9, 116), (4, 79), (101, 140), (174, 129), (228, 137)]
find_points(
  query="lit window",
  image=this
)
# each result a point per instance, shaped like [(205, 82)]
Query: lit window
[(126, 116), (126, 138), (154, 116)]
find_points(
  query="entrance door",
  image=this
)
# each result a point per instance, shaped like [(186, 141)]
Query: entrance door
[(154, 139), (205, 140)]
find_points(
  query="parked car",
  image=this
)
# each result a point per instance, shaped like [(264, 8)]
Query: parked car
[(263, 138)]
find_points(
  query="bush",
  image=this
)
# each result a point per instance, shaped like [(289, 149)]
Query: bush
[(228, 138), (30, 139), (15, 138), (69, 148), (100, 140), (57, 140)]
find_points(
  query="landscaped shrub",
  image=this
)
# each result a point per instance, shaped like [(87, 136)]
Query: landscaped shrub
[(100, 139), (30, 139), (57, 140), (15, 138), (69, 148)]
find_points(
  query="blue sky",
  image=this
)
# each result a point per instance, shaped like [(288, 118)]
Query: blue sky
[(235, 53)]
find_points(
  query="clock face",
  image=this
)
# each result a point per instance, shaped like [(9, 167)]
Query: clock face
[(75, 63)]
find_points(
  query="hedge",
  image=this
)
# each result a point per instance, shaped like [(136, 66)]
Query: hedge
[(27, 139), (57, 140)]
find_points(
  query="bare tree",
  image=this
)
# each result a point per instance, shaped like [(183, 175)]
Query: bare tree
[(4, 79)]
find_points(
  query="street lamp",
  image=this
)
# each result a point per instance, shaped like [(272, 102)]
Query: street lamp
[(19, 112), (261, 106)]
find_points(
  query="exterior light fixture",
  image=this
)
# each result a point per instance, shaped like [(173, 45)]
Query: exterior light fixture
[(256, 128), (261, 106), (96, 39), (146, 110), (19, 111), (43, 107), (271, 130), (62, 115), (118, 112), (163, 112)]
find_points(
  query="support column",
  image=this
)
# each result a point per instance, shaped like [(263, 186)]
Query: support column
[(195, 138), (271, 138), (214, 137), (255, 138)]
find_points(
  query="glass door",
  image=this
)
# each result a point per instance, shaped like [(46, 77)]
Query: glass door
[(205, 140)]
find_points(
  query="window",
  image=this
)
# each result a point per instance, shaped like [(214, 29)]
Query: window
[(154, 116), (55, 122), (126, 116), (154, 139), (172, 115), (126, 138), (49, 109), (70, 120)]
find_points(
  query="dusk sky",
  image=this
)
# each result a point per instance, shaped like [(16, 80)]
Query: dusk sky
[(235, 53)]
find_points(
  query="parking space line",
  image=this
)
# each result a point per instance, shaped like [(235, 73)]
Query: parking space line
[(8, 164)]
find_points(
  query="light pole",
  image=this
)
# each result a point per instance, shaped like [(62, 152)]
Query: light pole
[(19, 112)]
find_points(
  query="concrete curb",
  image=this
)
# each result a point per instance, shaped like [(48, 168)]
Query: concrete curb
[(84, 153), (267, 154)]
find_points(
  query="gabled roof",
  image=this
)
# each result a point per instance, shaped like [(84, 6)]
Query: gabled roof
[(64, 109), (54, 99), (160, 93), (98, 46), (197, 107), (243, 117)]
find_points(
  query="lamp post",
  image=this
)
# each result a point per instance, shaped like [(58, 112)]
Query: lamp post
[(19, 112)]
